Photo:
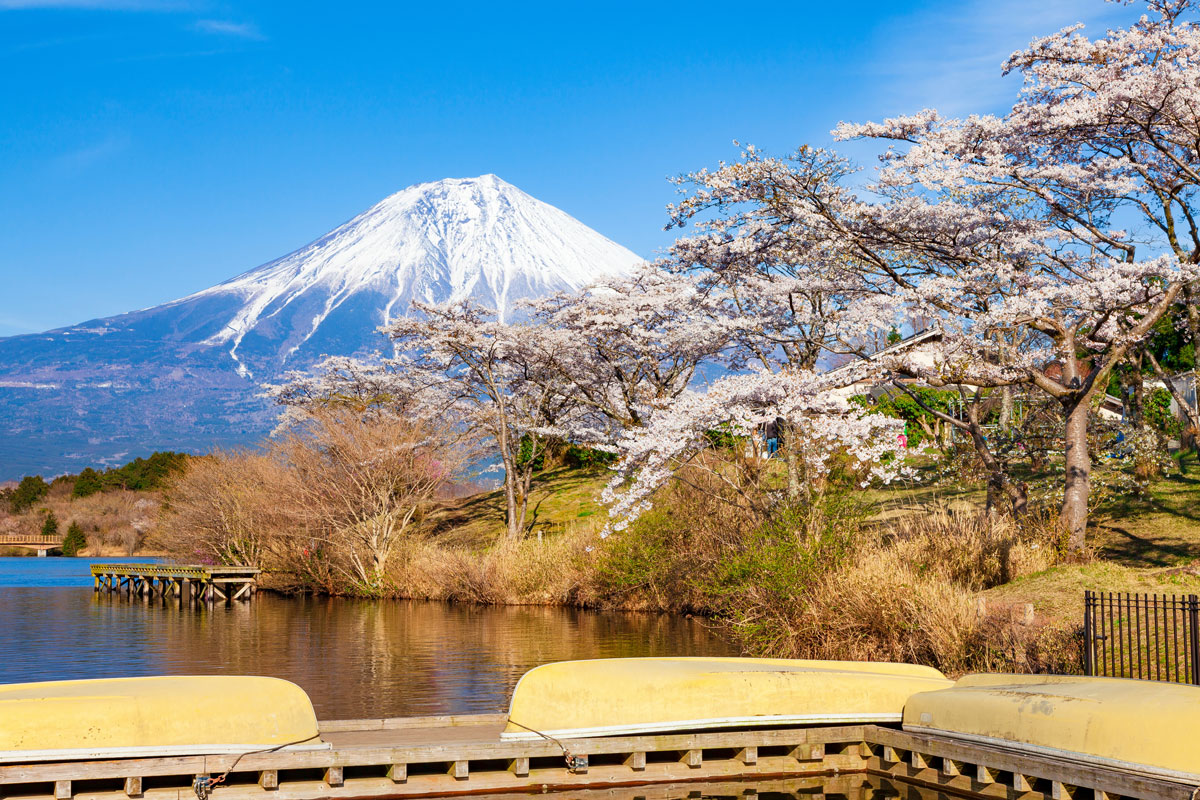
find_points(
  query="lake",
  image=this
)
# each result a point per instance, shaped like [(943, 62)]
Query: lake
[(355, 658)]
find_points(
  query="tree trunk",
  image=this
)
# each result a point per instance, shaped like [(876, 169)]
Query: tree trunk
[(511, 519), (999, 485), (1079, 471), (792, 463), (1006, 406), (1006, 392)]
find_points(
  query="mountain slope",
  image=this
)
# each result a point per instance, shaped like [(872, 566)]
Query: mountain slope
[(184, 375)]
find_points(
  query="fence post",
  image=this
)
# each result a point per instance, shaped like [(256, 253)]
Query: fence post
[(1194, 636), (1089, 634)]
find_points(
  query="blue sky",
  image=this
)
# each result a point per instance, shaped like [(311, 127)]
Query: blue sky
[(151, 149)]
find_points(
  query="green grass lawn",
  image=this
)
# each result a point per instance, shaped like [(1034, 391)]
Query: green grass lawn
[(1159, 531), (557, 498)]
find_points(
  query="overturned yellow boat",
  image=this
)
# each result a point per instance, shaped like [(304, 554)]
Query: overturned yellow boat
[(1142, 726), (125, 717), (641, 695)]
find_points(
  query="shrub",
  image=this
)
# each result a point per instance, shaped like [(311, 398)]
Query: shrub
[(580, 457), (1156, 410), (909, 594), (75, 540), (329, 503)]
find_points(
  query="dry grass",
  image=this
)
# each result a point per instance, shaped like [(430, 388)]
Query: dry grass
[(1056, 594), (548, 570), (910, 593)]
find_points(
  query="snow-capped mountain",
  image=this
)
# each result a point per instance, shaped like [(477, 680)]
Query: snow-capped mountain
[(184, 374)]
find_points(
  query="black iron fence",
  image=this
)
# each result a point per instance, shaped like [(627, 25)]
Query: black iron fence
[(1149, 636)]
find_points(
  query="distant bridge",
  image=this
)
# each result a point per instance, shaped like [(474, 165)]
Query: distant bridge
[(43, 544)]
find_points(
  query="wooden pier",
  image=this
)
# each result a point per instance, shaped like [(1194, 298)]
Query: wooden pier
[(442, 756), (186, 582)]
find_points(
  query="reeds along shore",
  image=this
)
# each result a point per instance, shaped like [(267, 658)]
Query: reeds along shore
[(820, 580)]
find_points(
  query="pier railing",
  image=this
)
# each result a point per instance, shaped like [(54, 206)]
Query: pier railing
[(1147, 636)]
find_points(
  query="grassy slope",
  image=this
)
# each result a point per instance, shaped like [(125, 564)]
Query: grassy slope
[(1058, 593), (1143, 545), (557, 499)]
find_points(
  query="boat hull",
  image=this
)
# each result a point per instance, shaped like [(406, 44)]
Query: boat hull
[(623, 696), (1141, 726), (158, 716)]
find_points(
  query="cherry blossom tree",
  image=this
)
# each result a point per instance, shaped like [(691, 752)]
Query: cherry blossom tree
[(996, 227), (498, 376), (822, 419), (626, 344)]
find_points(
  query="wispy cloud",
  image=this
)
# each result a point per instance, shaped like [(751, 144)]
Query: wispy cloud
[(98, 5), (221, 27), (950, 58), (75, 161)]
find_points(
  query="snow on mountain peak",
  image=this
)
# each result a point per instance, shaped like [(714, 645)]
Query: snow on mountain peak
[(444, 241)]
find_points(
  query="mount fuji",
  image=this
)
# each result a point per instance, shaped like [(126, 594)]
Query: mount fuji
[(185, 375)]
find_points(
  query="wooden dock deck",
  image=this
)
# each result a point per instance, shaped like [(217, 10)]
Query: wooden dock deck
[(443, 756), (187, 582)]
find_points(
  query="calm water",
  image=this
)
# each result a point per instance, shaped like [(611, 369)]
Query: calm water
[(354, 658)]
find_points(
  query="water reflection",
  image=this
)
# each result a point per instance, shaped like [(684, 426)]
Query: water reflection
[(354, 658)]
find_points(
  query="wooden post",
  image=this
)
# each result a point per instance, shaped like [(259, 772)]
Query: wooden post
[(748, 755), (636, 761), (1020, 783), (519, 767), (269, 779), (917, 760), (398, 773), (333, 776), (808, 752), (984, 774), (1061, 791), (62, 790), (133, 787), (694, 758), (460, 770)]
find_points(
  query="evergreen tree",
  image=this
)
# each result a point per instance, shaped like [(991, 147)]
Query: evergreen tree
[(50, 526), (31, 489), (87, 483), (74, 541)]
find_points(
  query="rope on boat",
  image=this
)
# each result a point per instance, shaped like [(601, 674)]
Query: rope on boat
[(203, 785), (574, 762)]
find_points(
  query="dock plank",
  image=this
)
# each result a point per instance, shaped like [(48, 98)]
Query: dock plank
[(430, 756)]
